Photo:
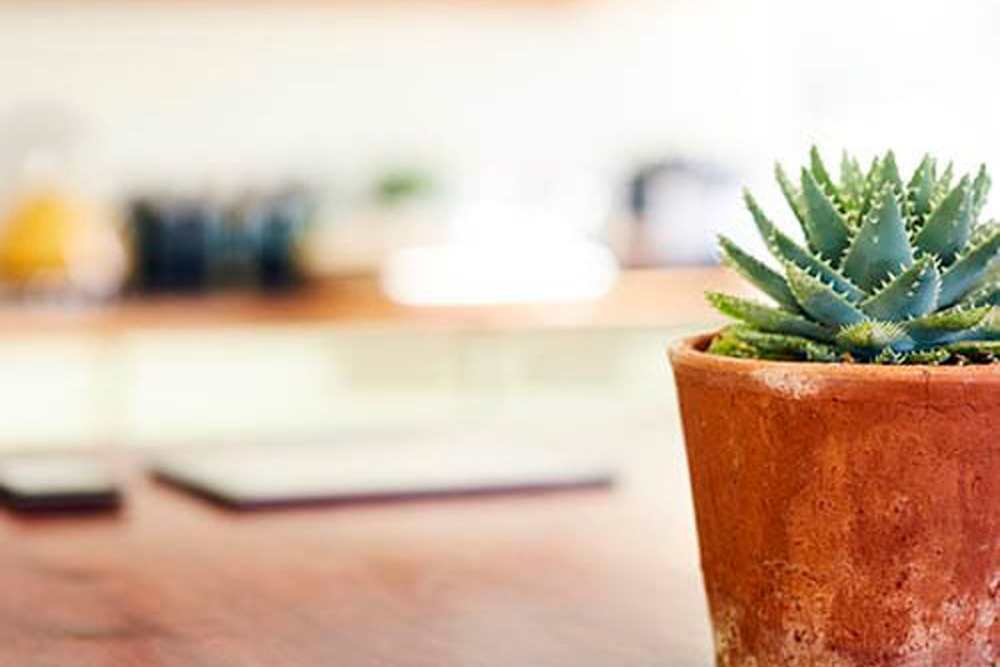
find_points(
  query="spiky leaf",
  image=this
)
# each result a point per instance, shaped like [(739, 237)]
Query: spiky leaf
[(889, 357), (945, 325), (934, 356), (728, 345), (980, 190), (889, 173), (969, 270), (852, 184), (871, 336), (792, 196), (881, 247), (912, 293), (786, 250), (987, 295), (820, 300), (873, 185), (822, 176), (982, 351), (989, 327), (766, 318), (826, 229), (983, 231), (783, 346), (949, 225), (764, 277), (943, 184), (920, 190)]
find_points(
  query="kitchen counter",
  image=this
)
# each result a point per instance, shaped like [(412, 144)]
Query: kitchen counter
[(662, 298)]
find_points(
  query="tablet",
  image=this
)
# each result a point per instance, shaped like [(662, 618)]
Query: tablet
[(251, 477)]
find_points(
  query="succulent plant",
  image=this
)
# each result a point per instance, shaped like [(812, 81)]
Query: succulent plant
[(890, 272)]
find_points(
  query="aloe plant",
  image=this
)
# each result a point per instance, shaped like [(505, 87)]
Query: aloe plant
[(889, 272)]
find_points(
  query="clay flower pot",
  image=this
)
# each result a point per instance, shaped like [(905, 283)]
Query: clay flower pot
[(848, 515)]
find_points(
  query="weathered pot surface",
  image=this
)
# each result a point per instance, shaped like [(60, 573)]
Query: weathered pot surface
[(848, 515)]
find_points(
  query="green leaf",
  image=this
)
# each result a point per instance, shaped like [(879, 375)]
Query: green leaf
[(881, 246), (873, 185), (983, 231), (912, 293), (783, 346), (920, 190), (822, 176), (764, 277), (943, 185), (889, 357), (792, 196), (874, 172), (945, 325), (968, 271), (890, 173), (827, 232), (870, 336), (727, 345), (980, 190), (852, 184), (949, 225), (983, 351), (989, 327), (786, 250), (934, 356), (987, 295), (821, 300), (766, 318)]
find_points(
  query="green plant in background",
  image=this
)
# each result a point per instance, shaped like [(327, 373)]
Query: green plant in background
[(401, 184), (890, 272)]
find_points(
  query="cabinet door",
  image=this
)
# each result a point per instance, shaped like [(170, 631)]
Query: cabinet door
[(227, 385), (53, 393)]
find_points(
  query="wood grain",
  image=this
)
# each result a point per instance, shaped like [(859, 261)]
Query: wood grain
[(575, 579)]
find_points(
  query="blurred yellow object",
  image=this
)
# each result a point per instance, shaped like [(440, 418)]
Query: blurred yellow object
[(53, 241), (37, 236)]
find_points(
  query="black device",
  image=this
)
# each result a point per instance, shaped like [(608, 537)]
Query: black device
[(59, 483)]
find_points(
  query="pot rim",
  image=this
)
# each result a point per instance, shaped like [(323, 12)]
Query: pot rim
[(689, 352)]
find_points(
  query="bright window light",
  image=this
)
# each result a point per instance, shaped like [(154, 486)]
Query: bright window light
[(505, 272)]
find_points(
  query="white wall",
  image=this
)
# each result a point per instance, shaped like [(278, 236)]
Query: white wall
[(203, 89), (225, 91)]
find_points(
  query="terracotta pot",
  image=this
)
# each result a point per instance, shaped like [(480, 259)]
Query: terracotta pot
[(848, 515)]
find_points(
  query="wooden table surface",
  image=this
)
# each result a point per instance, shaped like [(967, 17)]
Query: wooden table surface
[(660, 298), (596, 577)]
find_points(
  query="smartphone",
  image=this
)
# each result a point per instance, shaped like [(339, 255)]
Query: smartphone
[(63, 482)]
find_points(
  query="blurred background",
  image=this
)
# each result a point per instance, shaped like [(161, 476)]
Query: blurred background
[(237, 221)]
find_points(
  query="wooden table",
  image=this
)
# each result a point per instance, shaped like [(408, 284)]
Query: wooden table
[(652, 298), (598, 577)]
